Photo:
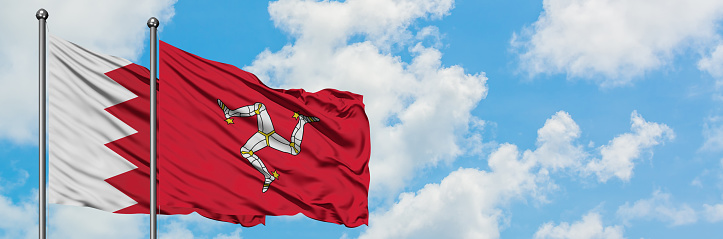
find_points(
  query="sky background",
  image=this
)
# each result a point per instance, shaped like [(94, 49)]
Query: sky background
[(489, 119)]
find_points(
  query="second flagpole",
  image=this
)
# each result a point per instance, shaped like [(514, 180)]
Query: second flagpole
[(153, 25)]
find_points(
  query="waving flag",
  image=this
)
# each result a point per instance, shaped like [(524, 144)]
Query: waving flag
[(228, 144), (98, 133)]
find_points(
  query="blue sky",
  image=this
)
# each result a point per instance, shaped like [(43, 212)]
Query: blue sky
[(490, 119)]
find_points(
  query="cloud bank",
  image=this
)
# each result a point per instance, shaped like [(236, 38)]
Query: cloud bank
[(471, 203), (589, 227), (614, 41)]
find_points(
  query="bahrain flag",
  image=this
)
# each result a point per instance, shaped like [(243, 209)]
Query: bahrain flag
[(230, 145), (98, 131)]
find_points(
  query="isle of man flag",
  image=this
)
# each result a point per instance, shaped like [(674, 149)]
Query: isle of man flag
[(231, 145)]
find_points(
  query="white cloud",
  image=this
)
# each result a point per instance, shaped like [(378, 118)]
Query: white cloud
[(713, 134), (618, 155), (714, 213), (19, 219), (419, 111), (616, 39), (464, 205), (713, 64), (658, 207), (176, 230), (590, 227), (115, 27), (555, 142), (194, 226), (332, 23), (469, 203), (696, 182), (233, 235), (82, 222)]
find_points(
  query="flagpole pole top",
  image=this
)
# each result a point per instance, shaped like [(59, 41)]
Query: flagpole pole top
[(41, 14), (152, 22)]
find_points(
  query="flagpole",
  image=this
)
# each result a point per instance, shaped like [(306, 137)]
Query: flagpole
[(42, 16), (153, 25)]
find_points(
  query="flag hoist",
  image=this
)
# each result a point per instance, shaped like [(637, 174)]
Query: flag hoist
[(42, 16), (153, 25)]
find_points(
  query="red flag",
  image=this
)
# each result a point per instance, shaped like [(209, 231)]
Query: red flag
[(228, 144), (135, 148)]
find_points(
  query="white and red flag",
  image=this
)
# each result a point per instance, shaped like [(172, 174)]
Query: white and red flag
[(230, 148), (98, 131), (80, 127)]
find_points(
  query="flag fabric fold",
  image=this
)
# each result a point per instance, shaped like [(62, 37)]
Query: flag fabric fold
[(228, 144)]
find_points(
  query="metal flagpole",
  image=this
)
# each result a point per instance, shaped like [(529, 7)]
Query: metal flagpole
[(42, 16), (153, 25)]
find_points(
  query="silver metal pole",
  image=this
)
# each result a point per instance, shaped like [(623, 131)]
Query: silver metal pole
[(153, 25), (42, 16)]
